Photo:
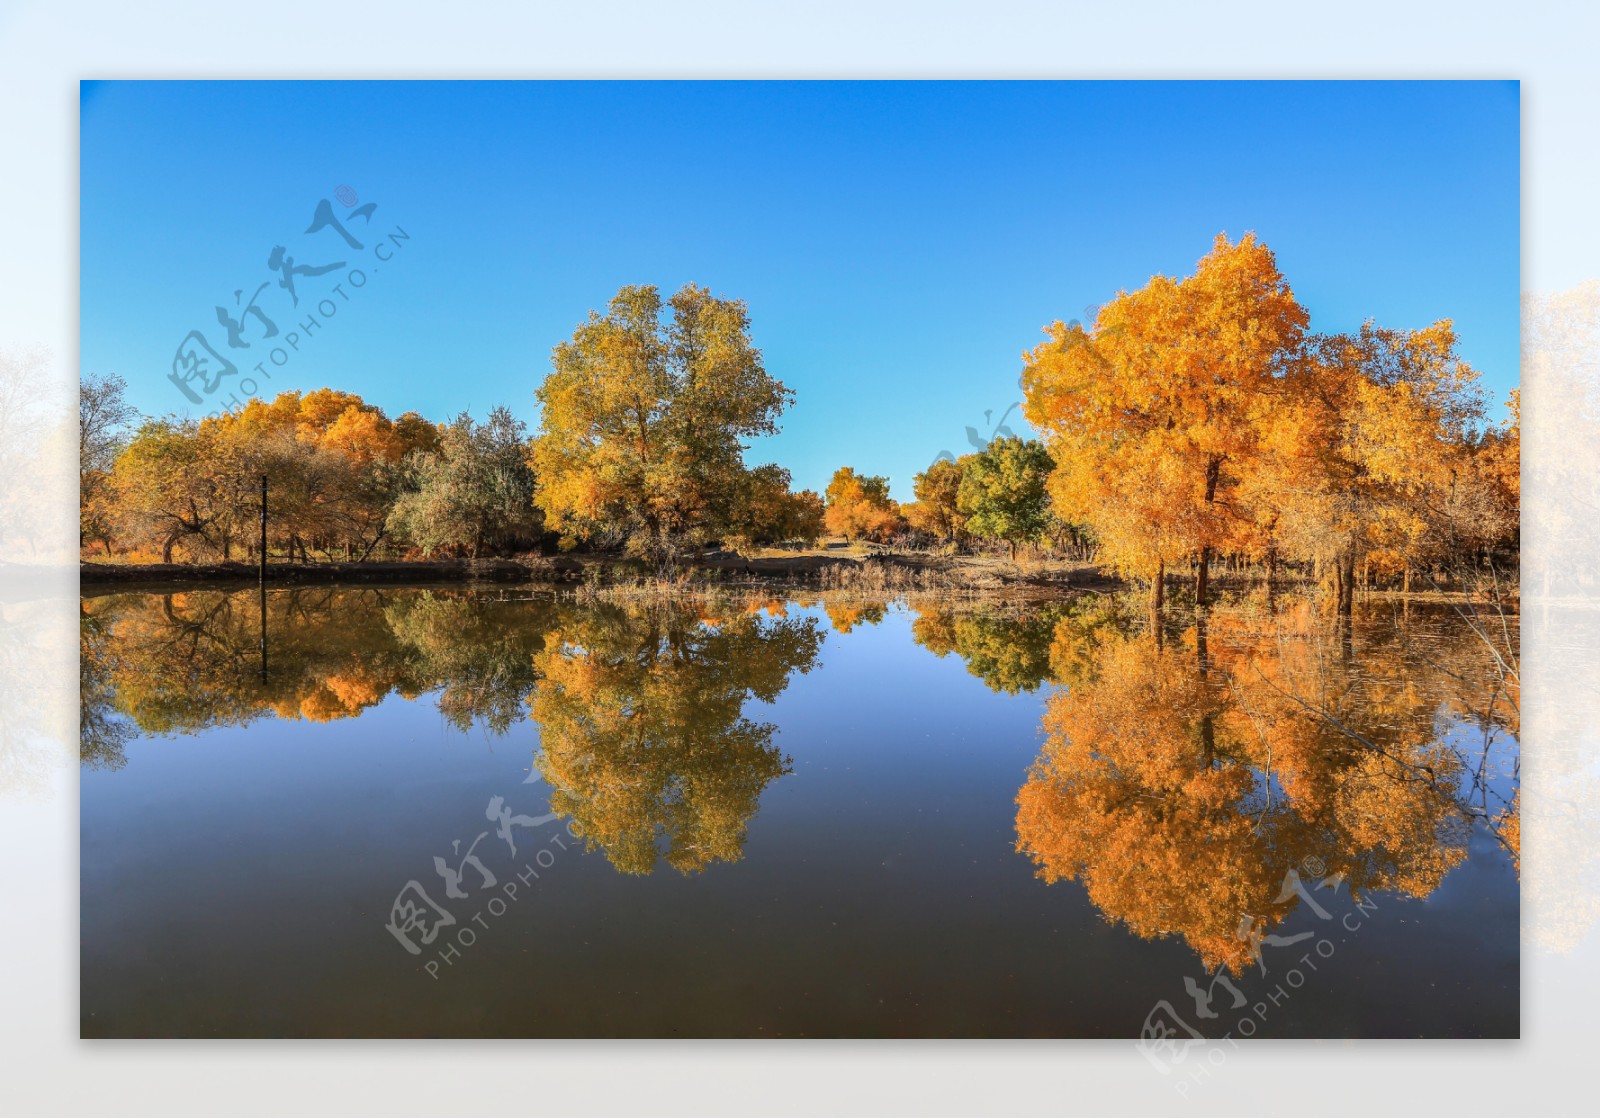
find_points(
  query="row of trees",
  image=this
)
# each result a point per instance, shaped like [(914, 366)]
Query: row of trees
[(1200, 417), (646, 416), (342, 477), (998, 495), (1194, 419)]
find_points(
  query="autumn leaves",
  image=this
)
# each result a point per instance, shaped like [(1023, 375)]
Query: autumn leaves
[(1198, 417), (645, 414), (998, 494), (335, 466), (1194, 420)]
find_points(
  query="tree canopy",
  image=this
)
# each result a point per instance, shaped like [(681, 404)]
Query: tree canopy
[(1199, 416), (1193, 421), (475, 491), (645, 417), (1002, 492), (859, 506)]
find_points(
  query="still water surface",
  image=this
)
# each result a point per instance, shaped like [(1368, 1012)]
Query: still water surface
[(803, 816)]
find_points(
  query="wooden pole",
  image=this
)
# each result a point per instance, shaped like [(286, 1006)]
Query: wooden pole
[(262, 579), (263, 570), (262, 597)]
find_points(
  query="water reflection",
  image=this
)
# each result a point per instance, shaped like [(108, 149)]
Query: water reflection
[(1180, 781), (644, 740), (1181, 773), (643, 732), (180, 663)]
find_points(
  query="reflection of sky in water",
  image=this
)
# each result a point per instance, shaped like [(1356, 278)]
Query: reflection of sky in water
[(237, 880)]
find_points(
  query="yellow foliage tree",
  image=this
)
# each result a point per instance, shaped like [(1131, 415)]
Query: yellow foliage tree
[(937, 510), (859, 506), (1369, 450), (644, 419), (1153, 414)]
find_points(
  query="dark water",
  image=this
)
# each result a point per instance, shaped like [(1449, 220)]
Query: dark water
[(813, 817)]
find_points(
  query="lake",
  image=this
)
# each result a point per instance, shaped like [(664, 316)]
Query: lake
[(504, 812)]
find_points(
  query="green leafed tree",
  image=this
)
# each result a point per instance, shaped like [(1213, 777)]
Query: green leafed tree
[(1003, 492), (475, 493)]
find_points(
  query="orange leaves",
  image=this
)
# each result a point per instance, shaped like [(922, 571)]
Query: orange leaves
[(1198, 416), (859, 506), (191, 491), (364, 436), (1152, 418), (327, 418)]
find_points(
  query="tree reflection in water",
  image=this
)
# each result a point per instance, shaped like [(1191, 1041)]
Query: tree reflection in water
[(1181, 780), (182, 662), (1182, 774), (643, 733), (640, 705)]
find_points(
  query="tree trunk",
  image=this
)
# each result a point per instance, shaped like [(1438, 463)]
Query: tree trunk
[(1157, 600), (1201, 575), (1347, 583), (166, 548)]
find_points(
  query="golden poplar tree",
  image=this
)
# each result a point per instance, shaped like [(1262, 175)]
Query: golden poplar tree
[(645, 416), (1153, 414)]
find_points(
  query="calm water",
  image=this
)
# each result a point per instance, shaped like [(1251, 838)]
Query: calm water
[(795, 817)]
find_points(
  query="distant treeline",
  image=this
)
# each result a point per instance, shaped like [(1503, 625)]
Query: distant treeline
[(1195, 419)]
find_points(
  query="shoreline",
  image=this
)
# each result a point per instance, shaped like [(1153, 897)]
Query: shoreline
[(809, 570), (887, 573)]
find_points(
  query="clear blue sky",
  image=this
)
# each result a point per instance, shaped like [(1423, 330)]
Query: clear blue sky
[(899, 244)]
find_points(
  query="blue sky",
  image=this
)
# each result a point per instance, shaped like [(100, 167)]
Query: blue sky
[(899, 244)]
